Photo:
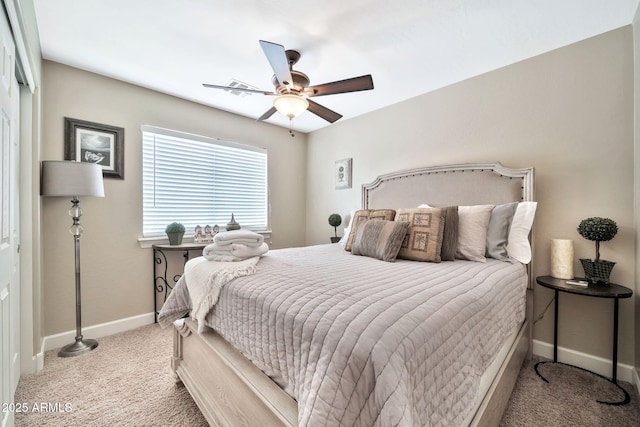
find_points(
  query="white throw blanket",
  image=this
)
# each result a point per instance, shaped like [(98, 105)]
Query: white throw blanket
[(233, 251), (244, 237), (214, 275)]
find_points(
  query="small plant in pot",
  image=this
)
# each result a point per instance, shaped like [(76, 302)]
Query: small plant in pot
[(335, 220), (599, 230), (175, 231)]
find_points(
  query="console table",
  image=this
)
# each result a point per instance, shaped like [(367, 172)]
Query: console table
[(161, 283), (597, 290)]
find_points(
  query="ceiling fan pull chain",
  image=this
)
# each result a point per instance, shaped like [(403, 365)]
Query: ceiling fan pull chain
[(291, 128)]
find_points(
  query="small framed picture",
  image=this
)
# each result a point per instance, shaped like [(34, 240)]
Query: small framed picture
[(91, 142), (342, 174)]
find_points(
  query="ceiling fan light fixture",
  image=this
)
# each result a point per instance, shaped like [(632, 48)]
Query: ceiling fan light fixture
[(290, 105)]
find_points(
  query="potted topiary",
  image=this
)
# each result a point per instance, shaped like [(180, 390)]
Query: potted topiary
[(175, 231), (335, 220), (599, 230)]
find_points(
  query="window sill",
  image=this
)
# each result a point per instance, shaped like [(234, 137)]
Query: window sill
[(147, 242)]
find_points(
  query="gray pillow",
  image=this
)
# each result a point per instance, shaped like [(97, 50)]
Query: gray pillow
[(450, 234), (498, 231), (378, 238)]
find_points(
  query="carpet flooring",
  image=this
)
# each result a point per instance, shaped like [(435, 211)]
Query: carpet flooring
[(570, 399), (127, 381)]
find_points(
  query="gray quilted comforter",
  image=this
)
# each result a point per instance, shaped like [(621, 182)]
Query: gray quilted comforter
[(362, 342)]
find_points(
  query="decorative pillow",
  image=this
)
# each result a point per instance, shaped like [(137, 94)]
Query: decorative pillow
[(378, 238), (450, 234), (364, 214), (518, 245), (472, 231), (423, 241), (498, 231)]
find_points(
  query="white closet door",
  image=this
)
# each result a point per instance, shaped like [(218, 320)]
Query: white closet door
[(9, 235)]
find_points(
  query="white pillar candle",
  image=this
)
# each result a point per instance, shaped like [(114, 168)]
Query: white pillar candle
[(562, 258)]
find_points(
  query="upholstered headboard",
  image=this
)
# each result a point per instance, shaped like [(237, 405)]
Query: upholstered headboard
[(463, 184)]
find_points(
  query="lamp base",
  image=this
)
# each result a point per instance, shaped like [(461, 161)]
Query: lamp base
[(79, 347)]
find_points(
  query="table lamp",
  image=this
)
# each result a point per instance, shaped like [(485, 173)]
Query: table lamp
[(73, 179)]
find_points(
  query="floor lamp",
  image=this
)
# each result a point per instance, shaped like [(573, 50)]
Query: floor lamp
[(73, 179)]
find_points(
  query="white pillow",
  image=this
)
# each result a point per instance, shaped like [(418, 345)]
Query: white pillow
[(347, 229), (472, 231), (518, 245)]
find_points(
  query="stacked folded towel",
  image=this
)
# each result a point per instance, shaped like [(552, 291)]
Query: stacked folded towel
[(244, 237), (236, 245)]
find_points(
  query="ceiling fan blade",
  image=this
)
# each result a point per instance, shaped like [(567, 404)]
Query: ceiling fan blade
[(342, 86), (277, 57), (240, 89), (267, 114), (323, 112)]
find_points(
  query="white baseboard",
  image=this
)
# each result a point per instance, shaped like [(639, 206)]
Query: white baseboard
[(37, 362), (96, 331), (32, 364), (636, 378), (593, 363), (40, 361)]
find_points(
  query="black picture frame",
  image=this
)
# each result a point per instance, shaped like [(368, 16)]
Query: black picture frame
[(91, 142)]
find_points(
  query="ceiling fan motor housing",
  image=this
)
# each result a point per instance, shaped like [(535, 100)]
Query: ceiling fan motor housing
[(299, 84)]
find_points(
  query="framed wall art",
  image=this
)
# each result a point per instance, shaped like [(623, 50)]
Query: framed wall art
[(342, 174), (91, 142)]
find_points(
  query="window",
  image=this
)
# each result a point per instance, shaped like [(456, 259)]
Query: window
[(197, 180)]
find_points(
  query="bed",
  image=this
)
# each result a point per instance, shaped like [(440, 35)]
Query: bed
[(301, 374)]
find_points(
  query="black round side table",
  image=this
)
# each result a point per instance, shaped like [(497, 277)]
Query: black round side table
[(598, 290)]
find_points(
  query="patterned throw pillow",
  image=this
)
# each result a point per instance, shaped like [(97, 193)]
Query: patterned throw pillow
[(450, 234), (381, 239), (364, 214), (423, 241)]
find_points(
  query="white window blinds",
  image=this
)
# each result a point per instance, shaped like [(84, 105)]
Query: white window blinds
[(197, 180)]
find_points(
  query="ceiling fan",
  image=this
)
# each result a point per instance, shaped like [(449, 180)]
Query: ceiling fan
[(292, 90)]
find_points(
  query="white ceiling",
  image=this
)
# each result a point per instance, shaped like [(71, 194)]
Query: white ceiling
[(409, 46)]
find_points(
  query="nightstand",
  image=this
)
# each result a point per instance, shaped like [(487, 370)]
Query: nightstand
[(599, 290), (161, 283)]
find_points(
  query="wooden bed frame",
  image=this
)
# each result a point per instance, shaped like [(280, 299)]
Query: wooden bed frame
[(231, 391)]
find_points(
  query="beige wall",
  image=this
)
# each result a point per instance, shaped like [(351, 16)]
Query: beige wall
[(568, 113), (116, 272)]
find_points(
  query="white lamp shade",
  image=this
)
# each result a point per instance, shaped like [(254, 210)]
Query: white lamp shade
[(68, 179), (290, 105)]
